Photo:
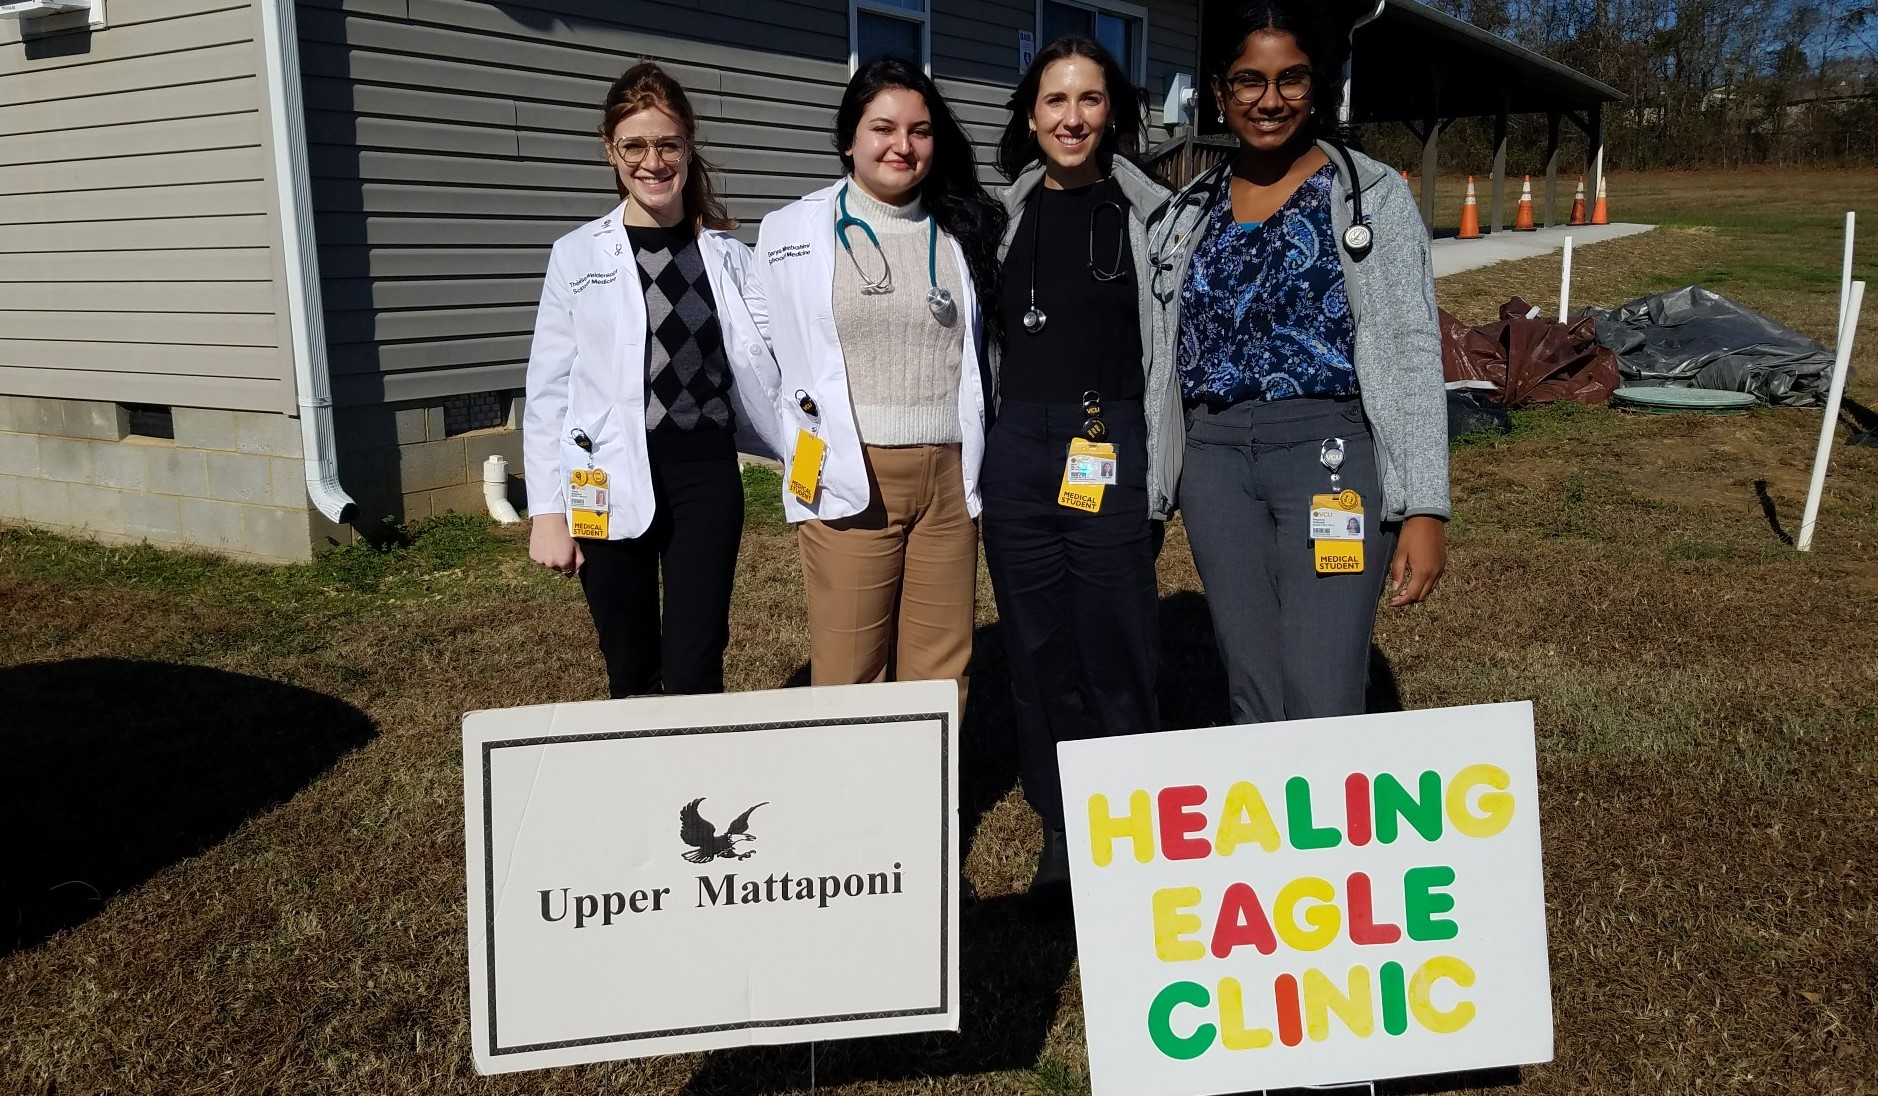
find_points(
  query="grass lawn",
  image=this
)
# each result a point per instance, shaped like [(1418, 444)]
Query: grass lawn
[(235, 792)]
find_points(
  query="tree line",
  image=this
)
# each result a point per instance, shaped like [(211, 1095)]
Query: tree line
[(1707, 83)]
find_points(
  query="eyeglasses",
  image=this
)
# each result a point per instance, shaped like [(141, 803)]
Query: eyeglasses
[(1093, 427), (1249, 87), (632, 150)]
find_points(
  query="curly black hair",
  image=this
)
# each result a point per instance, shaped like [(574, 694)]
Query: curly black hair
[(1322, 31), (951, 191)]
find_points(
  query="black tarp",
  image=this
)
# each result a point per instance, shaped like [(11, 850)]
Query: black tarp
[(1697, 338)]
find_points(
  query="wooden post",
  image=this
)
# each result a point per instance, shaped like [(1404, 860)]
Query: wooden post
[(1551, 167), (1431, 161), (1499, 171)]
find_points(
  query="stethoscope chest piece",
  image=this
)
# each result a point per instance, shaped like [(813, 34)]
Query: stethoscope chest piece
[(940, 301), (1358, 239), (1034, 320)]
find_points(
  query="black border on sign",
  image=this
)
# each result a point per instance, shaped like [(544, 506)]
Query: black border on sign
[(945, 882)]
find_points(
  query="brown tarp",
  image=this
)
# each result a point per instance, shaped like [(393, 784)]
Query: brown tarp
[(1530, 361)]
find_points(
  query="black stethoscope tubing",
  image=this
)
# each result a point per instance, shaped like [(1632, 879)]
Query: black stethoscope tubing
[(1035, 318)]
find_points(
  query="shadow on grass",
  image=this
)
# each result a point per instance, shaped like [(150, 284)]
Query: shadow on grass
[(114, 769), (1012, 966)]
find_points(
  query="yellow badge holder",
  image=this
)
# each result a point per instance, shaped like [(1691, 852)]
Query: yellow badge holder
[(811, 455), (589, 502), (1090, 466), (1336, 519)]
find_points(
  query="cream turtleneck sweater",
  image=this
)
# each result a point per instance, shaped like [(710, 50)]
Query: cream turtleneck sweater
[(902, 361)]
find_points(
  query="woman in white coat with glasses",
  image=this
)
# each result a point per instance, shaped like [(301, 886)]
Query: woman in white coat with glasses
[(647, 370)]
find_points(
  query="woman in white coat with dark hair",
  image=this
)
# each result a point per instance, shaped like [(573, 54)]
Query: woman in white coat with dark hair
[(646, 367)]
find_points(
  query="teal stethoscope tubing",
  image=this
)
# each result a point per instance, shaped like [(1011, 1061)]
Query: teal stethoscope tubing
[(847, 221)]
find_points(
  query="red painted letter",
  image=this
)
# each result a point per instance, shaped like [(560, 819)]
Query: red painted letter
[(1177, 822), (1290, 1024), (1356, 804), (1242, 921), (1363, 926)]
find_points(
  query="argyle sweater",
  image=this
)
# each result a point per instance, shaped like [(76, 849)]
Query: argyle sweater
[(688, 376)]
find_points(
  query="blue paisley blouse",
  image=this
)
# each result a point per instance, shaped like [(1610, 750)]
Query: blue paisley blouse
[(1264, 314)]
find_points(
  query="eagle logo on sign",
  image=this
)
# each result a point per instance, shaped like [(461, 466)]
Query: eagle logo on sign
[(706, 843)]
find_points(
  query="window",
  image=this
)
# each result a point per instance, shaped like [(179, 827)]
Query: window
[(1120, 27), (889, 28)]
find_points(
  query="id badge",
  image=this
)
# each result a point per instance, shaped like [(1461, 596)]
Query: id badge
[(1337, 533), (589, 502), (805, 468), (1089, 470)]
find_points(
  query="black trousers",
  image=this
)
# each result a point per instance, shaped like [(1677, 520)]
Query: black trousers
[(1076, 592), (693, 540)]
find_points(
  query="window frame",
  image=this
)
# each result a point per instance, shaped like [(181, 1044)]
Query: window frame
[(923, 18), (1138, 64)]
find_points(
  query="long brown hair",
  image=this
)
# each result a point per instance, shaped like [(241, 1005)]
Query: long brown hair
[(645, 86)]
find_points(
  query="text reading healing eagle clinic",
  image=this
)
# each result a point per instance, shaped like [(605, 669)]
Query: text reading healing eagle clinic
[(1305, 914)]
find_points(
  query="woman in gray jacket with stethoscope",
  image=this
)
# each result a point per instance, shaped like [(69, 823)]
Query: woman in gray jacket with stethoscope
[(1297, 279), (1082, 455)]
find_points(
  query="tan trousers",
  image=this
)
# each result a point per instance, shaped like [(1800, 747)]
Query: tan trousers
[(890, 589)]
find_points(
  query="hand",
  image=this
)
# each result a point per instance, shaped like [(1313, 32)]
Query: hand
[(1421, 553), (552, 546)]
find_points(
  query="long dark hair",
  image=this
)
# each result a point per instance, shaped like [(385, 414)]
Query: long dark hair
[(646, 86), (1322, 31), (1017, 149), (951, 191)]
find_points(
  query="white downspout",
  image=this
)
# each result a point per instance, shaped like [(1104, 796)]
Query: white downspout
[(306, 312), (1349, 65), (496, 491)]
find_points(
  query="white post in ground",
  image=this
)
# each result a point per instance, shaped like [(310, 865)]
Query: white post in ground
[(1847, 327), (1565, 285), (1845, 271)]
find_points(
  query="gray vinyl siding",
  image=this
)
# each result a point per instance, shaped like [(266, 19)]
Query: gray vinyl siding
[(138, 254), (452, 141)]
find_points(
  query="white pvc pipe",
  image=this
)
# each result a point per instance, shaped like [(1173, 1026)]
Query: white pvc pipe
[(1845, 271), (1565, 284), (306, 309), (496, 491), (1840, 367)]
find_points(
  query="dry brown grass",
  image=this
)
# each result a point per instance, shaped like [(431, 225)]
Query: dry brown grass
[(1707, 702)]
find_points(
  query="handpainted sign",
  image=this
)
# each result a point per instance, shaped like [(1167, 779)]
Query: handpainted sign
[(672, 874), (1312, 902)]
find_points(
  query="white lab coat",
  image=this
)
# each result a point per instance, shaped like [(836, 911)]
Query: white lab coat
[(587, 368), (791, 296)]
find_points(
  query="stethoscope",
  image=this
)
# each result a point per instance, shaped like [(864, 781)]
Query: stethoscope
[(1359, 239), (937, 299), (1035, 317)]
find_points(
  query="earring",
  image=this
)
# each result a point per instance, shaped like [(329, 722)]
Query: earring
[(1222, 116)]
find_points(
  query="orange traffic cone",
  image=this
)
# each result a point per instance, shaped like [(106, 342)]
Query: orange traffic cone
[(1522, 221), (1601, 212), (1470, 213), (1578, 203)]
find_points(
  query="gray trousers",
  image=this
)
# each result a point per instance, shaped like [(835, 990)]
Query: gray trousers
[(1295, 644)]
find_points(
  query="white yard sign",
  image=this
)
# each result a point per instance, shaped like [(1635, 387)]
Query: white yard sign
[(674, 874), (1309, 903)]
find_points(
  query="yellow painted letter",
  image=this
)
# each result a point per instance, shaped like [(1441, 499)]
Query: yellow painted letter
[(1325, 919), (1496, 808), (1357, 1009), (1105, 828), (1244, 819), (1171, 925), (1233, 1034), (1422, 990)]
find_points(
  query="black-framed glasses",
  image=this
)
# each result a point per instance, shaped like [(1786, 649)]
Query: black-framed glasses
[(1093, 428), (632, 151), (1248, 88)]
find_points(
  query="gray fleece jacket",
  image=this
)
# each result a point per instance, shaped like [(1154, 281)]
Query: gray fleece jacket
[(1160, 401), (1392, 297)]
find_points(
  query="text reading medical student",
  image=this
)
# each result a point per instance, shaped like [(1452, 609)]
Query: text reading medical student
[(1084, 450), (1296, 277), (645, 366), (872, 291)]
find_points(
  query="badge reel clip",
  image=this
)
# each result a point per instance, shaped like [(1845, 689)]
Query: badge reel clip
[(1330, 455), (1336, 518)]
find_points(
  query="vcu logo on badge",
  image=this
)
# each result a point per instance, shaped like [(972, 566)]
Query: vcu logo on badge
[(707, 844)]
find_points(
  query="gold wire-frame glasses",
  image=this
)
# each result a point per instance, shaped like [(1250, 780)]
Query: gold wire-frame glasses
[(632, 151)]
